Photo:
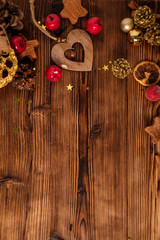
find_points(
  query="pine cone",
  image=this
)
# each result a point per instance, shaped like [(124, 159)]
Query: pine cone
[(25, 75), (121, 68), (144, 17), (152, 34), (10, 15)]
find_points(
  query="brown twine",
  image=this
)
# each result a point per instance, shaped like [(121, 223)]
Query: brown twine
[(32, 8)]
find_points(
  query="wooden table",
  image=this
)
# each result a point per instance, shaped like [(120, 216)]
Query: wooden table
[(86, 170)]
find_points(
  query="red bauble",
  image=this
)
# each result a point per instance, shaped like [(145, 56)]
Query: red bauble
[(94, 25), (53, 73), (153, 93), (18, 44), (53, 22)]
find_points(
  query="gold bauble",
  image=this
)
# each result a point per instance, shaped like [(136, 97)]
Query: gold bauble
[(136, 37), (127, 25)]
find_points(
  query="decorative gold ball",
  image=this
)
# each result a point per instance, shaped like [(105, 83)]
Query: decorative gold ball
[(136, 37), (127, 25)]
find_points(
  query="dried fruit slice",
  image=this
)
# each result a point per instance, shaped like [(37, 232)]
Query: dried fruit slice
[(147, 73)]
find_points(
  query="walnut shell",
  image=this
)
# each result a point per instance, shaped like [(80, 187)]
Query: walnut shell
[(147, 73)]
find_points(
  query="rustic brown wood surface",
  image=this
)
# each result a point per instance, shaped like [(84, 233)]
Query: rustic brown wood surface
[(81, 165)]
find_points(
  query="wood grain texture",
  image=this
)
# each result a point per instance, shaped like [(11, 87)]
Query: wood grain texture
[(81, 165)]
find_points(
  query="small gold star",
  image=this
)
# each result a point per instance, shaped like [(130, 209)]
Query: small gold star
[(99, 68), (87, 88), (53, 114), (18, 100), (43, 26), (34, 69), (105, 67), (110, 62), (30, 101), (39, 22), (69, 87), (15, 129)]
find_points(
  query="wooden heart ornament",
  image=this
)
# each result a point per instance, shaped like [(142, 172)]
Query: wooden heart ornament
[(75, 36)]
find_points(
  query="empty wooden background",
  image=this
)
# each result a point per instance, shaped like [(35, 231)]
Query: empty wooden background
[(87, 169)]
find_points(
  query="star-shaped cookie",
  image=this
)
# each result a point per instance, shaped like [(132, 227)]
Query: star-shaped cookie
[(154, 130), (29, 50), (73, 10)]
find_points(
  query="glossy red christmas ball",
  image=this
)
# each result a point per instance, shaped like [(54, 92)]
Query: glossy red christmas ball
[(53, 73), (53, 22), (94, 25), (18, 43), (153, 93)]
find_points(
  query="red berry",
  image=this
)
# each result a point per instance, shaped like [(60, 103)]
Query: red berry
[(53, 73), (53, 22), (153, 93), (18, 44), (94, 25)]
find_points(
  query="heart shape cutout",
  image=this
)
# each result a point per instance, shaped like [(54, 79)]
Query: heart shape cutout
[(75, 36)]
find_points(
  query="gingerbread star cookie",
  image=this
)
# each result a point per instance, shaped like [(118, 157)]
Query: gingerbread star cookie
[(29, 50), (154, 130), (73, 10)]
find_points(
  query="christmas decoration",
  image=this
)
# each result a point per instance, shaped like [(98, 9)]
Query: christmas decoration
[(105, 67), (121, 68), (147, 73), (153, 93), (69, 87), (4, 47), (53, 22), (29, 50), (10, 15), (53, 73), (136, 37), (25, 75), (152, 34), (127, 25), (73, 10), (75, 36), (18, 44), (144, 17), (154, 130), (94, 25)]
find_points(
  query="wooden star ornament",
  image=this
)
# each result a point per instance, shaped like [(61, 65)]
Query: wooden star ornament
[(154, 130), (73, 10), (29, 50)]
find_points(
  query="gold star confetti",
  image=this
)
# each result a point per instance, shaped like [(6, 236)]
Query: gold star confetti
[(105, 67), (69, 87), (99, 68), (110, 62), (34, 69), (15, 129), (43, 26), (87, 88), (30, 101), (53, 114), (18, 100), (39, 22)]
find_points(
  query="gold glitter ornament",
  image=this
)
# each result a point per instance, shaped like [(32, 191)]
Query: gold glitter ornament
[(5, 69), (144, 17), (126, 25), (136, 37), (121, 68)]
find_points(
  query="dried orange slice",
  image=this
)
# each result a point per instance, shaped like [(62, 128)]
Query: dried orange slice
[(147, 73)]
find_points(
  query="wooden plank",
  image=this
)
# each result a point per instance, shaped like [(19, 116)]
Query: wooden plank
[(86, 167)]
